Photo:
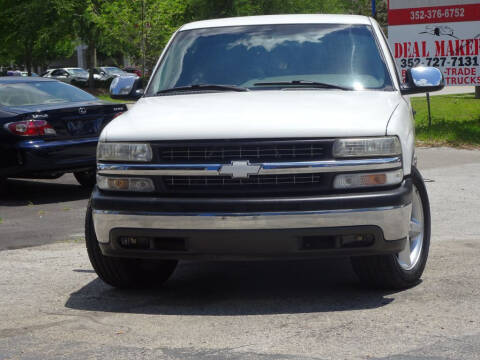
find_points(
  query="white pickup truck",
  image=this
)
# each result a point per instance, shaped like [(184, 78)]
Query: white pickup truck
[(265, 137)]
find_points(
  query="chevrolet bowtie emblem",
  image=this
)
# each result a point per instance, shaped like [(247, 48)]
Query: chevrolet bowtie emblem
[(239, 169)]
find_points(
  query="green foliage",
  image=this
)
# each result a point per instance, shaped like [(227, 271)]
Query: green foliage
[(207, 9), (33, 31), (162, 19)]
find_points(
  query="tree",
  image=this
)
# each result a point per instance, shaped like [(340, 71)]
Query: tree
[(84, 14), (137, 28), (205, 9), (33, 32)]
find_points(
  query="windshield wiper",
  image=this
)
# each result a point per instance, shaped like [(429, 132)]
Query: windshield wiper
[(203, 87), (304, 83), (53, 101)]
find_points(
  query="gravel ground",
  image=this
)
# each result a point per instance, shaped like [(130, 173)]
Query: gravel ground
[(52, 306)]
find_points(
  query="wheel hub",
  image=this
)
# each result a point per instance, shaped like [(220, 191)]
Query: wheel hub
[(411, 254)]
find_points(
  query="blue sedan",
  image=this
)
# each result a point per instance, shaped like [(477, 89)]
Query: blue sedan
[(48, 128)]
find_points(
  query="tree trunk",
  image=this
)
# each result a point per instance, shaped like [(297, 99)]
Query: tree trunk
[(92, 63), (28, 59), (477, 92)]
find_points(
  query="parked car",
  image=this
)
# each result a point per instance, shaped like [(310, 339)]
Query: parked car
[(78, 76), (133, 70), (265, 137), (107, 72), (48, 128), (25, 73), (14, 73)]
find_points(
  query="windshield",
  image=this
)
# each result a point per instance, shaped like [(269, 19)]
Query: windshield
[(337, 54), (41, 93), (78, 72)]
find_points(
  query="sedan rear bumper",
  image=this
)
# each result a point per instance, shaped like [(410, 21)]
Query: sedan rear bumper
[(36, 157)]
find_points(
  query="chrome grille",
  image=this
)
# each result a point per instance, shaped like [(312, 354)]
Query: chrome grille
[(186, 182), (281, 151)]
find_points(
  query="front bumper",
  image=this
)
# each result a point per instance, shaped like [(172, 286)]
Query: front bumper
[(253, 228)]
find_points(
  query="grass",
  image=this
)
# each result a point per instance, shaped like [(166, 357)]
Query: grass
[(455, 120), (108, 98), (103, 94)]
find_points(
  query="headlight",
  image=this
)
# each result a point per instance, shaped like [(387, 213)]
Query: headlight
[(123, 152), (125, 184), (381, 146), (351, 181)]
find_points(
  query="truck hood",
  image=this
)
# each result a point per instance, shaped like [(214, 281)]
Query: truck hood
[(255, 114)]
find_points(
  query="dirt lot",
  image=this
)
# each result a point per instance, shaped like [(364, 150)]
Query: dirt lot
[(52, 306)]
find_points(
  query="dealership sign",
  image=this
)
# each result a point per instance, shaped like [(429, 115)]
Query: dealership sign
[(440, 33)]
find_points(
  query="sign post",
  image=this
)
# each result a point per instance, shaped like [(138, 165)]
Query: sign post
[(429, 112)]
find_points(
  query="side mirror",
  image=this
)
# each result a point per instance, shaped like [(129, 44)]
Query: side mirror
[(423, 79), (126, 88)]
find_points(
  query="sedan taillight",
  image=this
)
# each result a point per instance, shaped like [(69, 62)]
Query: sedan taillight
[(117, 115), (31, 128)]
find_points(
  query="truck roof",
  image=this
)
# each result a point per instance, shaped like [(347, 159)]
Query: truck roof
[(279, 19), (23, 79)]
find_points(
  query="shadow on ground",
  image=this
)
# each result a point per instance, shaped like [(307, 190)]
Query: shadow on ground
[(240, 288), (21, 192)]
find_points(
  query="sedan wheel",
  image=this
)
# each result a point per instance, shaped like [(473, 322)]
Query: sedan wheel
[(86, 178), (3, 185)]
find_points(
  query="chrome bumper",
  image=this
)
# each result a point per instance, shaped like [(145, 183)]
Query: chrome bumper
[(393, 221)]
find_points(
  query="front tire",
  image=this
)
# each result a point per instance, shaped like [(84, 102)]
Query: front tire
[(86, 178), (403, 270), (3, 185), (123, 272)]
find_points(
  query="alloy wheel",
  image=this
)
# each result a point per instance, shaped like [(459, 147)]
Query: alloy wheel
[(412, 252)]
